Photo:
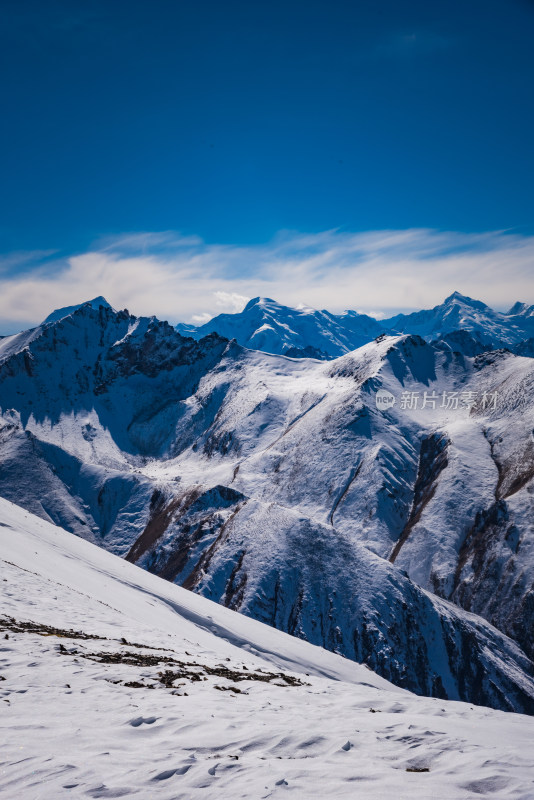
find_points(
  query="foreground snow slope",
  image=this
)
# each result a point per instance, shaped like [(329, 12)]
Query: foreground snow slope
[(180, 698)]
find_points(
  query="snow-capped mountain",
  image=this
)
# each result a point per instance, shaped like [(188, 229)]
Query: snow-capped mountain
[(521, 309), (457, 312), (279, 488), (115, 683), (59, 313), (269, 326), (465, 324)]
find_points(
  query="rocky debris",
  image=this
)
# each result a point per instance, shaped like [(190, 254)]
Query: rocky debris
[(15, 626), (178, 670)]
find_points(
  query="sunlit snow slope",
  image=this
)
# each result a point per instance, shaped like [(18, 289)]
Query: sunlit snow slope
[(115, 683)]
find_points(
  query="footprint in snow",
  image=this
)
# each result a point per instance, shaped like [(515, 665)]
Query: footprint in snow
[(346, 746), (135, 723), (168, 773)]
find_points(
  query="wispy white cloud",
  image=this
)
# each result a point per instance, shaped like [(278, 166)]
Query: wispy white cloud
[(23, 260), (230, 301), (182, 278), (201, 319)]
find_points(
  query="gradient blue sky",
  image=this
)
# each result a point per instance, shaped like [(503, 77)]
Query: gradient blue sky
[(231, 121)]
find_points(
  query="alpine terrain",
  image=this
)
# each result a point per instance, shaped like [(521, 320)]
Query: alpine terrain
[(378, 504)]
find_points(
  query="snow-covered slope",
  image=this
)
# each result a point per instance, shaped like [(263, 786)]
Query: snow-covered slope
[(458, 312), (269, 326), (115, 683)]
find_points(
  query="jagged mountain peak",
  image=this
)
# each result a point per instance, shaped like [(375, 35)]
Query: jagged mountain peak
[(268, 307), (457, 297), (521, 309), (60, 313)]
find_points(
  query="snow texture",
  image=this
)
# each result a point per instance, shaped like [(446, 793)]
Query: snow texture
[(115, 683)]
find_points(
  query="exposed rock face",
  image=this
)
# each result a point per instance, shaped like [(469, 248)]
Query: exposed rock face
[(277, 487), (432, 462), (491, 578)]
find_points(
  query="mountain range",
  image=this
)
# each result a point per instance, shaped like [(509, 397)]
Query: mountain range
[(274, 328), (266, 325), (399, 536)]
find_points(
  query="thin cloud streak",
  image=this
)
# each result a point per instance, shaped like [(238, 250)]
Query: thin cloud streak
[(183, 279)]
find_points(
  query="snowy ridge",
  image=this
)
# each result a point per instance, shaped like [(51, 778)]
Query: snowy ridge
[(175, 696), (457, 312), (60, 313)]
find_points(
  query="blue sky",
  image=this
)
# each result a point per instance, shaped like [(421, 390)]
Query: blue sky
[(233, 121)]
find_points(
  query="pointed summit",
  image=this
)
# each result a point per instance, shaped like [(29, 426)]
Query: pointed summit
[(260, 301), (60, 313), (457, 297), (521, 309)]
